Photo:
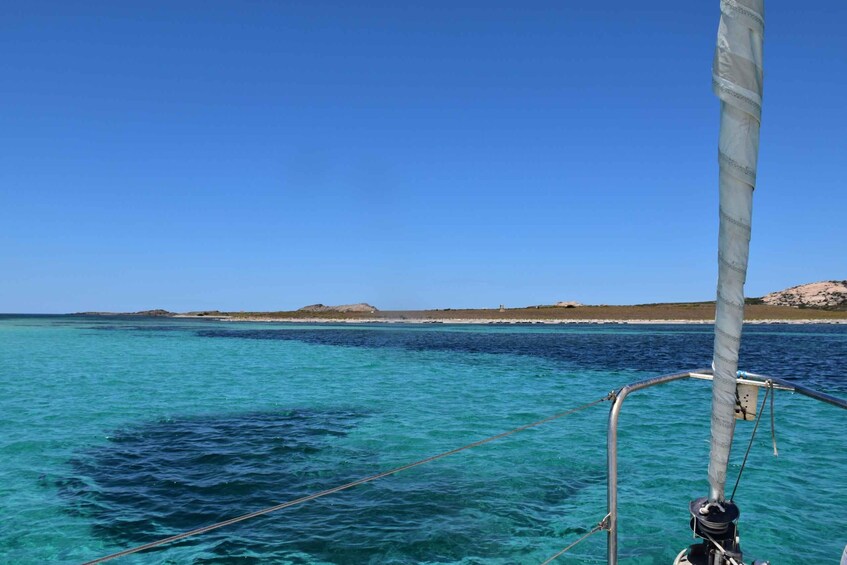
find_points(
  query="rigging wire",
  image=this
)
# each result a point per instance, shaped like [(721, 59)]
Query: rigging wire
[(346, 486), (603, 525), (768, 392)]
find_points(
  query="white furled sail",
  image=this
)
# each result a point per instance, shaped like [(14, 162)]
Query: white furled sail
[(737, 80)]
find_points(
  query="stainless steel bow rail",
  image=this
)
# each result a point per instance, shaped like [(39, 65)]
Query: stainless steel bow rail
[(745, 378)]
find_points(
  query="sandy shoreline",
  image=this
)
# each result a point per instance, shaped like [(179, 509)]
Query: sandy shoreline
[(490, 321)]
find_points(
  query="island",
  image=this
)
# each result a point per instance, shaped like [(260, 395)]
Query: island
[(819, 302)]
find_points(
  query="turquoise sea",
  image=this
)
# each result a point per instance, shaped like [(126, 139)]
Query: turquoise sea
[(118, 431)]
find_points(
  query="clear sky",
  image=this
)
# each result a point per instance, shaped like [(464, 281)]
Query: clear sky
[(257, 155)]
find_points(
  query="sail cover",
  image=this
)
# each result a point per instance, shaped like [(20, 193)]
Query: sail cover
[(737, 80)]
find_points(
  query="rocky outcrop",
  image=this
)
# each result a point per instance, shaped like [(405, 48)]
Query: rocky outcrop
[(343, 308), (824, 294), (570, 304), (155, 313)]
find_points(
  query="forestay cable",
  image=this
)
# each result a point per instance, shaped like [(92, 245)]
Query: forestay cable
[(340, 488)]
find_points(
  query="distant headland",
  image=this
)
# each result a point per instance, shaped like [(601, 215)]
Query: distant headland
[(158, 313), (814, 302)]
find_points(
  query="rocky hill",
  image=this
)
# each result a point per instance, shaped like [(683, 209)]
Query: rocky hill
[(831, 295), (158, 312), (360, 307)]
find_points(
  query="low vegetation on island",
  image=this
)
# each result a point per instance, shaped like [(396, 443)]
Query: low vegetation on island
[(817, 302)]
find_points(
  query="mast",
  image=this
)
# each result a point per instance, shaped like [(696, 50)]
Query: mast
[(737, 81)]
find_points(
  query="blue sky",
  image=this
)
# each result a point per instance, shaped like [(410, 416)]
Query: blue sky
[(267, 155)]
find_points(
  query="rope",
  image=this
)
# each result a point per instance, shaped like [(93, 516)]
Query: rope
[(339, 488), (752, 436), (604, 524)]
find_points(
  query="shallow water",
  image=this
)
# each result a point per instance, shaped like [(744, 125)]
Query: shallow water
[(118, 431)]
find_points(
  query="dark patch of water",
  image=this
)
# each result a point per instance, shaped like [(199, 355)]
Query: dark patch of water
[(815, 355), (138, 327), (161, 478)]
